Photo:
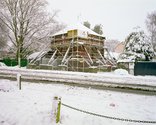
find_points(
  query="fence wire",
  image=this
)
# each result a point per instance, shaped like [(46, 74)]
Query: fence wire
[(108, 117)]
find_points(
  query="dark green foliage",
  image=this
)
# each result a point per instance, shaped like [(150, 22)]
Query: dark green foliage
[(87, 24), (14, 62), (98, 29)]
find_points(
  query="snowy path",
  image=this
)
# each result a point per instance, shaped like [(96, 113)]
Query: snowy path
[(33, 105)]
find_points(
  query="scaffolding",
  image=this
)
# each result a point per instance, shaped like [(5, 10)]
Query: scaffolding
[(78, 50)]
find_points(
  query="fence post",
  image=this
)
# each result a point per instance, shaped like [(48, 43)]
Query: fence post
[(56, 108), (19, 80)]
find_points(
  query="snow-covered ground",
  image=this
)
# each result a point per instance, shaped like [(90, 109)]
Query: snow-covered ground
[(33, 105)]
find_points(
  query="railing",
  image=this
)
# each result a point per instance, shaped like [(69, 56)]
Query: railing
[(57, 110), (108, 117)]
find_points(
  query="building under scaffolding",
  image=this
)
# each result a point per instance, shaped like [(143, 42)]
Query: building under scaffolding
[(78, 49)]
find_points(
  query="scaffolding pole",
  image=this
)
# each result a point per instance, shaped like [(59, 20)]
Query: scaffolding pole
[(88, 55), (101, 56), (52, 57), (65, 56), (112, 62)]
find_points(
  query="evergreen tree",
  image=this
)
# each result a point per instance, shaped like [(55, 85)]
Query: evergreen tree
[(87, 24), (98, 29), (138, 47)]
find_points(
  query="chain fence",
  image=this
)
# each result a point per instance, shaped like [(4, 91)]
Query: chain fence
[(108, 117)]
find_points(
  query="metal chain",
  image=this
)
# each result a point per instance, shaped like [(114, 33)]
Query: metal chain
[(108, 117)]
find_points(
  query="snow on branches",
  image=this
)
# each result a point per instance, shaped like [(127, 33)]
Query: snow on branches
[(137, 48)]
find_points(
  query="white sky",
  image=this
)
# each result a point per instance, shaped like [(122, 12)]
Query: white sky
[(118, 17)]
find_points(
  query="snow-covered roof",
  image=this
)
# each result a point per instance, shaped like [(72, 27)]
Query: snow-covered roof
[(77, 26)]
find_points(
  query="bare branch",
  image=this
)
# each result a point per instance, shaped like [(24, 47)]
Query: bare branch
[(26, 19)]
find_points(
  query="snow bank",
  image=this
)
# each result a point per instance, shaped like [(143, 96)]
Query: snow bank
[(121, 72)]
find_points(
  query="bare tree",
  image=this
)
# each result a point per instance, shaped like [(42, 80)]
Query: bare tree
[(3, 36), (111, 44), (25, 20), (38, 43), (151, 26)]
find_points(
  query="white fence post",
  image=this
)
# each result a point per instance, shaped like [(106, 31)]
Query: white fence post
[(56, 107), (19, 80)]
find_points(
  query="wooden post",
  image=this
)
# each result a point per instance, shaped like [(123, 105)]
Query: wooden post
[(19, 80), (56, 108)]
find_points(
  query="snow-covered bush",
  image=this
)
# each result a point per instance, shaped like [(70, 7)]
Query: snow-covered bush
[(137, 48), (121, 72)]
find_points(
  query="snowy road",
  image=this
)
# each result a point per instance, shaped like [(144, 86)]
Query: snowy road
[(90, 79), (33, 105)]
